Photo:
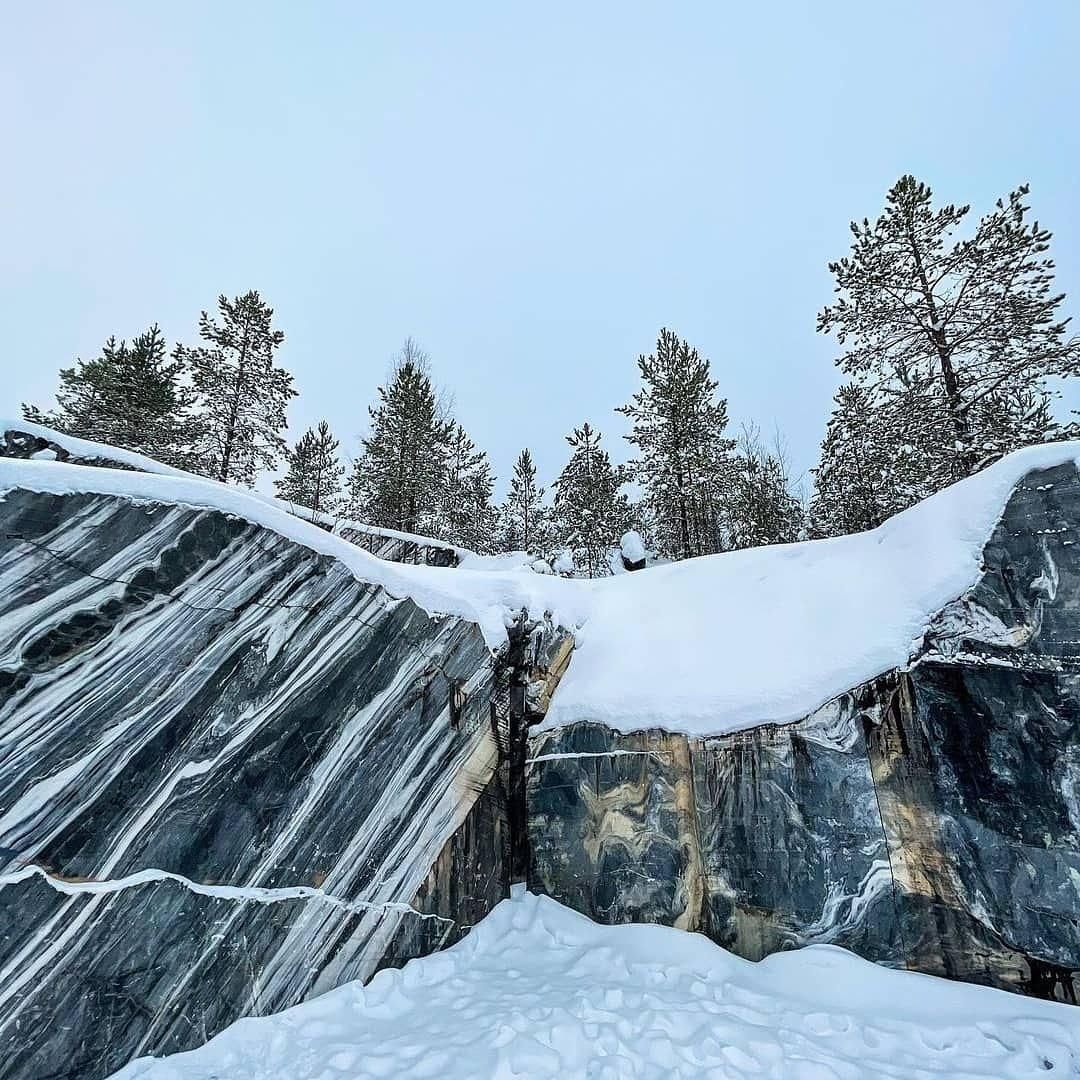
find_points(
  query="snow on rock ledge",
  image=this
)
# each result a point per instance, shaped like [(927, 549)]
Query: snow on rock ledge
[(487, 598), (767, 635), (704, 647)]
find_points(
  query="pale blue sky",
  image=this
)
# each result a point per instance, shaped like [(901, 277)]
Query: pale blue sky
[(529, 190)]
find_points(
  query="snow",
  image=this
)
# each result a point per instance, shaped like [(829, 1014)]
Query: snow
[(767, 635), (704, 646), (536, 990), (632, 547), (564, 563), (93, 451), (486, 597)]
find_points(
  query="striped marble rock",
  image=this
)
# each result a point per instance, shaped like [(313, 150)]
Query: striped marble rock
[(231, 777)]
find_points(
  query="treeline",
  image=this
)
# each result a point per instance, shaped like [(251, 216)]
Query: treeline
[(216, 408), (953, 350)]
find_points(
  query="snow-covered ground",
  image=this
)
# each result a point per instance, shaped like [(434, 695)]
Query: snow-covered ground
[(536, 990), (703, 646)]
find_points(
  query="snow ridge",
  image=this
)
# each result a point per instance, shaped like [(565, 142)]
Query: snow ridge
[(537, 990), (706, 646)]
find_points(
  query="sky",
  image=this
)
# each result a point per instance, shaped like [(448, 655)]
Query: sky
[(530, 191)]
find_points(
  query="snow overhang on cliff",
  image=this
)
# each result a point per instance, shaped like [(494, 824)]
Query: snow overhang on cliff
[(767, 635), (705, 646)]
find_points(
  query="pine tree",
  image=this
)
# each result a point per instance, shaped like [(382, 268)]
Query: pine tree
[(684, 462), (466, 515), (761, 507), (131, 396), (315, 471), (953, 338), (479, 532), (522, 517), (865, 474), (242, 395), (591, 513), (398, 481)]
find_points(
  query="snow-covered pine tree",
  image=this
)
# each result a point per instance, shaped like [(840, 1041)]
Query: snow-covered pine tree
[(955, 337), (131, 396), (761, 507), (466, 516), (315, 472), (684, 457), (522, 516), (398, 480), (866, 474), (479, 532), (242, 395), (591, 513)]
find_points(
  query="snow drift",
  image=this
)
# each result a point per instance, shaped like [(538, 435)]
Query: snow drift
[(769, 634), (536, 991)]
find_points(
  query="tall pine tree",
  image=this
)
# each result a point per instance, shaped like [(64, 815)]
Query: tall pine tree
[(761, 507), (242, 395), (522, 516), (684, 457), (591, 513), (478, 533), (954, 339), (315, 471), (398, 480), (131, 396)]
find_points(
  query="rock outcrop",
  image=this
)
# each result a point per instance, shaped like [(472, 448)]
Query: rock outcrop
[(26, 441), (928, 819), (231, 777)]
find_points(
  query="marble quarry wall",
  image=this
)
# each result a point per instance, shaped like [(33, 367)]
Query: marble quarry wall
[(231, 777), (929, 819)]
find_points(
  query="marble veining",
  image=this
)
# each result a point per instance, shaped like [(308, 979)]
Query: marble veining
[(928, 819), (231, 776)]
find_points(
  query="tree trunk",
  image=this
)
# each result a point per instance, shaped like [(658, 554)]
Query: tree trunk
[(230, 429), (961, 431)]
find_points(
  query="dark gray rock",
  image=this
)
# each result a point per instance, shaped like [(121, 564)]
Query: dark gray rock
[(232, 777), (400, 548), (929, 819), (233, 772), (763, 839)]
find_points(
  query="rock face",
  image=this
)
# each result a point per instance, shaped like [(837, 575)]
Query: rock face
[(929, 819), (397, 547), (231, 777)]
